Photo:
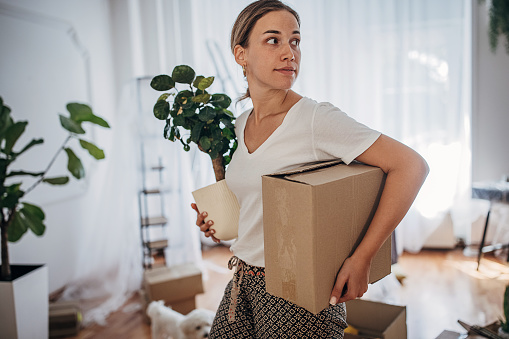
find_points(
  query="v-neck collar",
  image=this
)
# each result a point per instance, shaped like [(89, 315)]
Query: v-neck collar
[(276, 132)]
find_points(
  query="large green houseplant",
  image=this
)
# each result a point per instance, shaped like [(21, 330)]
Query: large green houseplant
[(17, 215), (193, 115)]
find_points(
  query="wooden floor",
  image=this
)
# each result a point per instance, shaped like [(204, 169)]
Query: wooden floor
[(440, 287)]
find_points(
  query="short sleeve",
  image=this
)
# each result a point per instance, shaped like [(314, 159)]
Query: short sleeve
[(336, 135)]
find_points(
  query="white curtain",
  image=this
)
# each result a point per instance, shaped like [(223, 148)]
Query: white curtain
[(402, 67)]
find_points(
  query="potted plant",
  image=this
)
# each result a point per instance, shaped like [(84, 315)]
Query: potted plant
[(193, 115), (18, 216), (503, 330), (499, 23)]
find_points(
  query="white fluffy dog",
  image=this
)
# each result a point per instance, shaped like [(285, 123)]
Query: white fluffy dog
[(167, 323)]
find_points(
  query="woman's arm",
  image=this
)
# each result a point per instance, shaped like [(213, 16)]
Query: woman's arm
[(406, 171)]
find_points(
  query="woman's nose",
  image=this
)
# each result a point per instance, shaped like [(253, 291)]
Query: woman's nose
[(288, 53)]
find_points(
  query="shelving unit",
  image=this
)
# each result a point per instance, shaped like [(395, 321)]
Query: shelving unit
[(151, 196), (148, 222)]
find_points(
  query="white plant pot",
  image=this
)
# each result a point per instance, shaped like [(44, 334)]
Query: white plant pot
[(222, 207), (24, 306)]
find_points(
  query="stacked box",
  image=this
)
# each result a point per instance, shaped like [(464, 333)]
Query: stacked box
[(176, 285)]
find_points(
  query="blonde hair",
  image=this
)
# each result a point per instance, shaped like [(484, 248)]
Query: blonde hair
[(247, 19)]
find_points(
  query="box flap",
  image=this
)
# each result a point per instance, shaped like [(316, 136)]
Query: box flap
[(324, 175), (308, 167)]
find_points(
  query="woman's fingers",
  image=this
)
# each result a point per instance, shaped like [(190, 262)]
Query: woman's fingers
[(204, 226)]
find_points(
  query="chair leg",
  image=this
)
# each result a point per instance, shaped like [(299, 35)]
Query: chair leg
[(479, 256)]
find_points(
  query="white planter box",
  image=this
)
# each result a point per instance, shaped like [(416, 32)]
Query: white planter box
[(24, 305)]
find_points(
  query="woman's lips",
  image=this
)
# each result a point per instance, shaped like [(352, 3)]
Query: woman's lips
[(286, 71)]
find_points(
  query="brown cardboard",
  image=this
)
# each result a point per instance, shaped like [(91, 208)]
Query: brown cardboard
[(376, 320), (314, 217), (176, 285)]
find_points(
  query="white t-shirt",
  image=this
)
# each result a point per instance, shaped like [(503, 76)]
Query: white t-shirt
[(310, 132)]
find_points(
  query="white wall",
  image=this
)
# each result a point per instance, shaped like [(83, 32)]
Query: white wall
[(490, 103), (42, 70)]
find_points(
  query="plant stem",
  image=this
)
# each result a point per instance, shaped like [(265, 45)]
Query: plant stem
[(218, 165), (41, 178), (6, 267)]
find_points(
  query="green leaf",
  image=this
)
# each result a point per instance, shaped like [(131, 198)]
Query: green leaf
[(57, 180), (74, 164), (197, 80), (5, 118), (183, 74), (12, 135), (162, 82), (18, 173), (17, 228), (81, 112), (213, 154), (227, 123), (221, 100), (94, 151), (228, 133), (162, 109), (205, 143), (34, 217), (189, 112), (207, 113), (71, 125), (205, 83), (196, 132), (30, 145), (78, 111), (179, 120), (164, 96), (183, 96), (12, 195), (228, 113), (171, 137), (33, 210), (203, 98)]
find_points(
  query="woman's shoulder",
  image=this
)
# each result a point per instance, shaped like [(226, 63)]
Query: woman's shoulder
[(321, 108)]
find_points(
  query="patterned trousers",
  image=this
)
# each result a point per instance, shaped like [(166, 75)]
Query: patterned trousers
[(248, 311)]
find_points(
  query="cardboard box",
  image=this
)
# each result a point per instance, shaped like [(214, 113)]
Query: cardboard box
[(64, 319), (376, 320), (314, 217), (176, 285)]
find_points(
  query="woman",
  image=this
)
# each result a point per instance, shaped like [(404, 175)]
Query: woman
[(285, 130)]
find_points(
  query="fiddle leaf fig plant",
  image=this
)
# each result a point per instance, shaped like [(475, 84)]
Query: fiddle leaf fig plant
[(204, 116), (17, 215)]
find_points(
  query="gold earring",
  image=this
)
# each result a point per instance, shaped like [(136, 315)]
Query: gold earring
[(244, 70)]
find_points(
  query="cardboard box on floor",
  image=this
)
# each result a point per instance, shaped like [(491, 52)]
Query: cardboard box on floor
[(376, 320), (313, 219), (176, 285)]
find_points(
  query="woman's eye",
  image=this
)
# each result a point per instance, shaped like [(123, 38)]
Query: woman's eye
[(272, 41), (296, 42)]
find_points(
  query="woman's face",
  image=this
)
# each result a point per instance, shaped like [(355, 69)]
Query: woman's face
[(272, 57)]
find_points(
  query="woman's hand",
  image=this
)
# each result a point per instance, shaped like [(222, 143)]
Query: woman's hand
[(352, 280), (204, 226)]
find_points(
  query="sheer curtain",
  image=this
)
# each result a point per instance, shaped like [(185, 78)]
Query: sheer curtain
[(402, 67)]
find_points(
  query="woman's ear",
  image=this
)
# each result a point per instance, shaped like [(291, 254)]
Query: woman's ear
[(240, 55)]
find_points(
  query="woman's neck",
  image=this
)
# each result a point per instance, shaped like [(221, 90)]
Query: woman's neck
[(271, 103)]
